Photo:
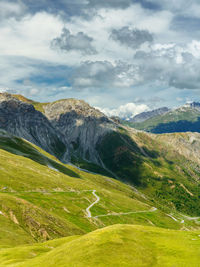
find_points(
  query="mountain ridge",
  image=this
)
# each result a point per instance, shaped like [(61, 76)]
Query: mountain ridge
[(183, 119), (149, 114)]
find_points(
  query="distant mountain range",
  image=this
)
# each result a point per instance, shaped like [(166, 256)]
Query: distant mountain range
[(183, 119), (149, 114)]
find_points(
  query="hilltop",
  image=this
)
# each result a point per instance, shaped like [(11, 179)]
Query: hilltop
[(119, 245)]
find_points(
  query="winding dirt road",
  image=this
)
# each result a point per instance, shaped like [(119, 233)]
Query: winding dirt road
[(89, 215)]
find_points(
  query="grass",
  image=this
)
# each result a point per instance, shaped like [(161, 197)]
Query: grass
[(43, 202), (39, 203), (118, 245), (155, 167), (37, 105)]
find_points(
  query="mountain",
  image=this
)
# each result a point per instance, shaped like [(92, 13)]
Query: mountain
[(87, 138), (69, 129), (111, 190), (81, 125), (149, 114), (183, 119), (22, 119)]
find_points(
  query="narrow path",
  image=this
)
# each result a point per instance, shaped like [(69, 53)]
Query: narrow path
[(173, 218), (89, 215), (191, 218), (126, 213)]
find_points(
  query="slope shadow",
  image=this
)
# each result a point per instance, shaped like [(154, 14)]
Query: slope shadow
[(179, 126), (17, 146), (123, 157)]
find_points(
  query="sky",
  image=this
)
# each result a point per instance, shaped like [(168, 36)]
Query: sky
[(122, 56)]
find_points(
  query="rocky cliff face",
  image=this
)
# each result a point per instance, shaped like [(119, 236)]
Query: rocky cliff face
[(67, 128), (81, 126), (22, 120)]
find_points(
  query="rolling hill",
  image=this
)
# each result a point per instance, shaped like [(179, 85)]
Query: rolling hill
[(118, 245)]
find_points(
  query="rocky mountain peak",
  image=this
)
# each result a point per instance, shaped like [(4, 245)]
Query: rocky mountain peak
[(21, 119), (6, 97), (10, 104), (81, 125), (54, 110)]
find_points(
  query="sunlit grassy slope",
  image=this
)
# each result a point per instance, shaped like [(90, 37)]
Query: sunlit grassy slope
[(43, 199), (43, 218), (118, 245)]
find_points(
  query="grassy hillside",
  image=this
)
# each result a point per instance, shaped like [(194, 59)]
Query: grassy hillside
[(164, 174), (118, 245), (42, 199)]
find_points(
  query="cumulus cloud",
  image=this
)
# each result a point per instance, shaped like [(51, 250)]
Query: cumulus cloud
[(172, 65), (79, 42), (104, 74), (165, 33), (11, 9), (126, 111), (133, 38)]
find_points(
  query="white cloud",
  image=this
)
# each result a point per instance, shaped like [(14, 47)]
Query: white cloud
[(104, 74), (30, 37), (126, 111), (8, 9), (80, 42), (194, 48), (172, 61)]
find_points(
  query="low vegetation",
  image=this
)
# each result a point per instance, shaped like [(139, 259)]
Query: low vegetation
[(118, 245), (43, 206)]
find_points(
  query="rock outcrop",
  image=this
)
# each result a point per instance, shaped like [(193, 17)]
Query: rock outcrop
[(21, 119), (67, 128), (81, 126)]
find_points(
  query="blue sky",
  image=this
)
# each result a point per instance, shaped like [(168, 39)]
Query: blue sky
[(123, 56)]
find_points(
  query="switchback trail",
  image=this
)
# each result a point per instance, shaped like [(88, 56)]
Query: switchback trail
[(126, 213), (89, 215)]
